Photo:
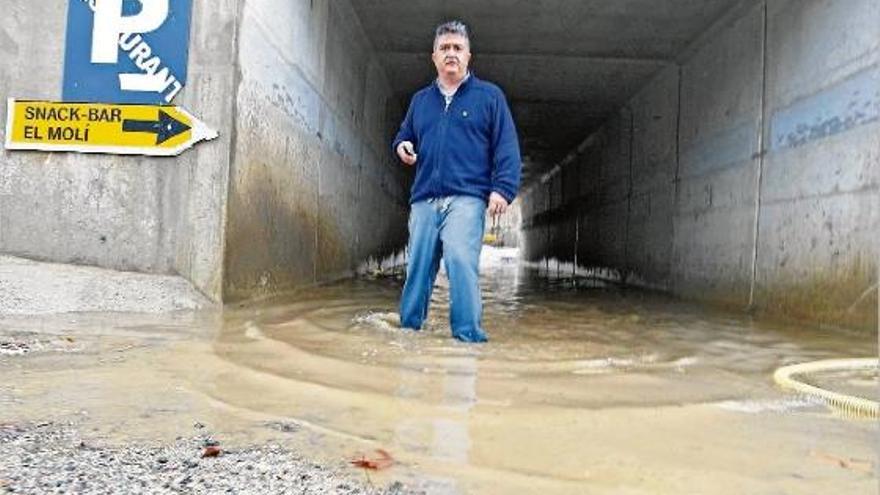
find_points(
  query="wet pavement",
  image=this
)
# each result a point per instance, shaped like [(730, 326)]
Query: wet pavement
[(583, 388)]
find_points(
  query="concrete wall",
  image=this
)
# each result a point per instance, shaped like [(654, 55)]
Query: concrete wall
[(650, 230), (719, 129), (745, 175), (314, 190), (819, 227), (141, 214), (299, 188)]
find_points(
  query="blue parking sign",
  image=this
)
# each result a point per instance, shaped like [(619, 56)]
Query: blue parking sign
[(126, 51)]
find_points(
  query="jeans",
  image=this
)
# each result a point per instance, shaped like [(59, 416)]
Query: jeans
[(450, 227)]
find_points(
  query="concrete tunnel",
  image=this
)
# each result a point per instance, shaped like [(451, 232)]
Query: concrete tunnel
[(724, 151)]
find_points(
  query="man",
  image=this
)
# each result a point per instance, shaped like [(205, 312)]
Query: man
[(460, 135)]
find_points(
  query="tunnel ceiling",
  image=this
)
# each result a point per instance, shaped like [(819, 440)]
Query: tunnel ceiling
[(564, 64)]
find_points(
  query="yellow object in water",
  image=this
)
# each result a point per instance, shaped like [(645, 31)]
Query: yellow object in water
[(490, 238), (849, 405)]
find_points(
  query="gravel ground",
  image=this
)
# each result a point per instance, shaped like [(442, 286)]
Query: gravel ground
[(49, 458)]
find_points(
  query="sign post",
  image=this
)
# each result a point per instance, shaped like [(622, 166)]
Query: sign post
[(156, 130)]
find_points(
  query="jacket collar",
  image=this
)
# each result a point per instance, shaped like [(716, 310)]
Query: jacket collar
[(470, 76)]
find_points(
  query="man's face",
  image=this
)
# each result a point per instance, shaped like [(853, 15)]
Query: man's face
[(451, 56)]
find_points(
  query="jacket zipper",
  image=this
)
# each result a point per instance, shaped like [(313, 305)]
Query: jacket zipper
[(438, 182)]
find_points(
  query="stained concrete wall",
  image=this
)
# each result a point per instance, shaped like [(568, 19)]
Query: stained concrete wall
[(746, 174), (819, 225), (313, 190), (141, 214)]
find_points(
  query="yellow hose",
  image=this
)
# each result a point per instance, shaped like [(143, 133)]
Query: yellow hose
[(847, 404)]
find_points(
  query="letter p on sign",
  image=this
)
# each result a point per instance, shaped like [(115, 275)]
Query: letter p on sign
[(126, 51), (110, 24)]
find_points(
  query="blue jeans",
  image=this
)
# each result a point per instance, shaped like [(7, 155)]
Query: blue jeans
[(452, 228)]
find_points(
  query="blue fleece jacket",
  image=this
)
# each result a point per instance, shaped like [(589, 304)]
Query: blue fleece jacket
[(470, 148)]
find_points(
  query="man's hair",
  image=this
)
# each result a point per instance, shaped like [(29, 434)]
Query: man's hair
[(452, 27)]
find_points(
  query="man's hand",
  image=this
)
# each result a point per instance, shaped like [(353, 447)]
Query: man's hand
[(406, 152), (497, 204)]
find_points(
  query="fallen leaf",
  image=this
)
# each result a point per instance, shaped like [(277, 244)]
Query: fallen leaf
[(381, 460), (212, 451), (69, 339)]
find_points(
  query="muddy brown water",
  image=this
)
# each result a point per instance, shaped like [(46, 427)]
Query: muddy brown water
[(583, 388)]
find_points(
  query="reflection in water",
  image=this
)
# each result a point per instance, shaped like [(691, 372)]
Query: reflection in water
[(445, 436), (583, 388)]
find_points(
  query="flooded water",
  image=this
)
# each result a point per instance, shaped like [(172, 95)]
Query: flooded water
[(583, 388)]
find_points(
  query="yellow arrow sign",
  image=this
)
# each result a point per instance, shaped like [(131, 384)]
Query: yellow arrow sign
[(102, 128)]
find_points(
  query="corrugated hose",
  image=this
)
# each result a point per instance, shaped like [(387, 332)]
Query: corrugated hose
[(848, 405)]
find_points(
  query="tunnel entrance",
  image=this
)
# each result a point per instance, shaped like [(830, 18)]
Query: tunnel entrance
[(708, 149), (719, 151)]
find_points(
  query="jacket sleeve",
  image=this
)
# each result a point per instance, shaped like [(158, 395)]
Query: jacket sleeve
[(506, 160), (406, 132)]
